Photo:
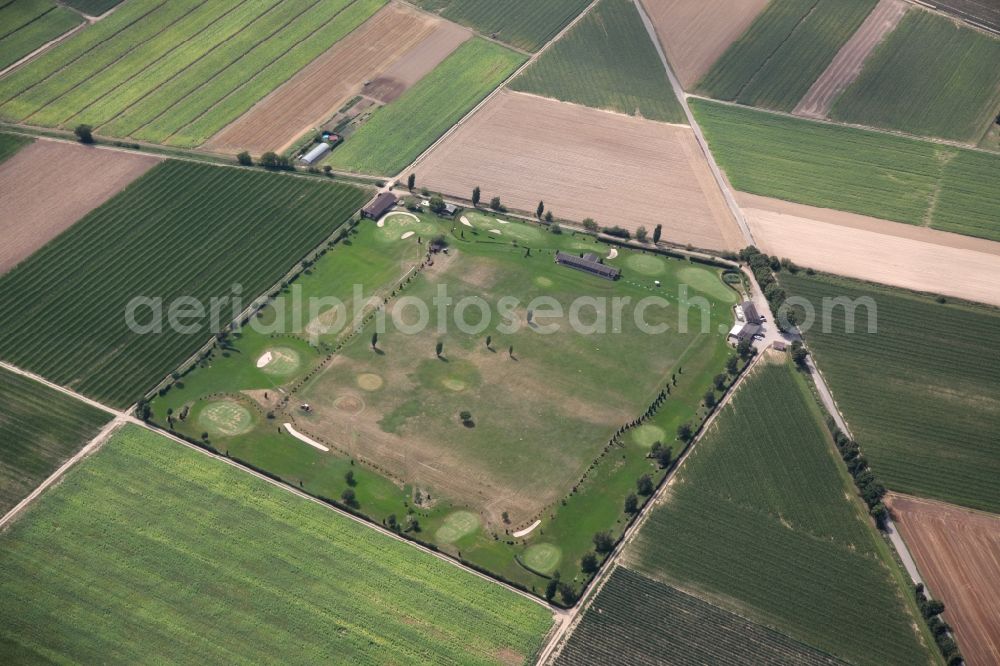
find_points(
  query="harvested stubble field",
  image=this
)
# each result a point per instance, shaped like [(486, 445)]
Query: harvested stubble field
[(860, 171), (396, 34), (26, 25), (183, 229), (638, 620), (921, 394), (607, 61), (585, 163), (789, 544), (931, 77), (176, 72), (49, 185), (40, 429), (525, 24), (785, 50), (149, 543), (958, 554), (694, 33)]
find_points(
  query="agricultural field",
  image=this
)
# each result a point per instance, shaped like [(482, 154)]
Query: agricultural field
[(86, 177), (11, 143), (26, 25), (790, 545), (149, 543), (607, 61), (977, 12), (524, 24), (787, 48), (183, 229), (694, 33), (127, 77), (921, 394), (396, 134), (931, 77), (93, 7), (859, 171), (585, 163), (379, 61), (396, 408), (638, 620), (40, 429), (956, 552)]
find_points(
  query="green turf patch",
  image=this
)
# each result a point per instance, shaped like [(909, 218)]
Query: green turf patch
[(280, 361), (646, 264), (225, 417), (457, 525), (647, 435), (542, 557), (706, 282), (11, 143)]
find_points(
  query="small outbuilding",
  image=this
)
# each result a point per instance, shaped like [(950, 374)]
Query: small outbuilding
[(750, 314), (381, 205), (743, 331), (588, 263), (318, 152)]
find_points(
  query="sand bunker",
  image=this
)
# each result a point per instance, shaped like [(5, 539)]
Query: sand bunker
[(496, 231), (303, 438), (527, 530), (279, 361), (465, 221), (407, 235), (264, 359), (612, 253)]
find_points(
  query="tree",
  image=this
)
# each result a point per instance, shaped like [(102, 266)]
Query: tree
[(631, 503), (799, 354), (555, 228), (745, 348), (411, 181), (932, 607), (588, 563), (568, 594), (603, 543), (661, 454), (880, 514), (496, 205), (438, 348), (350, 499), (244, 159), (719, 381), (540, 209), (589, 224), (84, 134), (732, 365), (412, 523), (641, 233), (374, 340), (476, 195), (684, 432), (391, 522), (489, 341), (272, 160), (644, 484), (709, 398), (142, 410), (549, 217), (437, 205), (327, 169), (657, 232), (510, 351), (349, 478), (552, 587)]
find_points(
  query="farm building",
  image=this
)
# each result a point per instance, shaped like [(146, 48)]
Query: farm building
[(380, 206), (318, 152), (750, 314), (743, 331), (589, 263)]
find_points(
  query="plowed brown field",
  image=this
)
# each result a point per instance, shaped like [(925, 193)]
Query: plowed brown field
[(49, 185), (616, 169), (391, 51), (958, 553)]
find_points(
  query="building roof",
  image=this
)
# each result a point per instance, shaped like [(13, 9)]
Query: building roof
[(743, 331), (318, 151), (750, 311), (380, 205), (588, 263)]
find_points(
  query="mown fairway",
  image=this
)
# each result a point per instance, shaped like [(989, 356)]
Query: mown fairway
[(183, 229), (921, 395), (787, 48), (929, 77), (761, 520), (894, 178), (176, 72), (608, 62), (39, 429), (26, 25), (526, 24), (638, 620), (150, 548), (396, 134), (11, 143)]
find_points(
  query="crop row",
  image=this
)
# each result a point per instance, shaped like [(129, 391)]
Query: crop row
[(183, 230), (27, 25), (526, 24)]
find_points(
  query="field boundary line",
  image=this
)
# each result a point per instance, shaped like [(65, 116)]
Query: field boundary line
[(37, 17), (61, 389), (44, 47), (470, 28)]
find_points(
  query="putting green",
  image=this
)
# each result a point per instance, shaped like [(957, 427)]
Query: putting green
[(543, 557), (647, 435), (457, 525), (226, 418), (706, 282), (283, 361), (369, 382), (646, 264), (543, 281), (398, 224), (453, 384), (521, 232)]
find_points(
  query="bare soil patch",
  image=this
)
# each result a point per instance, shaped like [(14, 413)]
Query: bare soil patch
[(851, 59), (868, 248), (694, 33), (48, 185), (391, 51), (958, 553), (584, 162)]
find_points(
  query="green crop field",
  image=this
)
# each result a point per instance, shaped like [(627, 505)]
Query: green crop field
[(182, 230), (921, 395), (11, 143), (784, 51), (872, 173), (150, 549), (396, 134), (93, 7), (762, 519), (607, 61), (176, 72), (525, 24), (40, 428), (634, 617), (26, 25), (930, 77)]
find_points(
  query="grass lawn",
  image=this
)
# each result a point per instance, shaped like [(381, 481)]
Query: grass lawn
[(182, 230), (931, 76), (872, 173), (763, 520), (396, 134), (149, 548), (26, 25), (784, 51), (607, 61), (396, 410), (921, 394), (11, 143), (40, 429)]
